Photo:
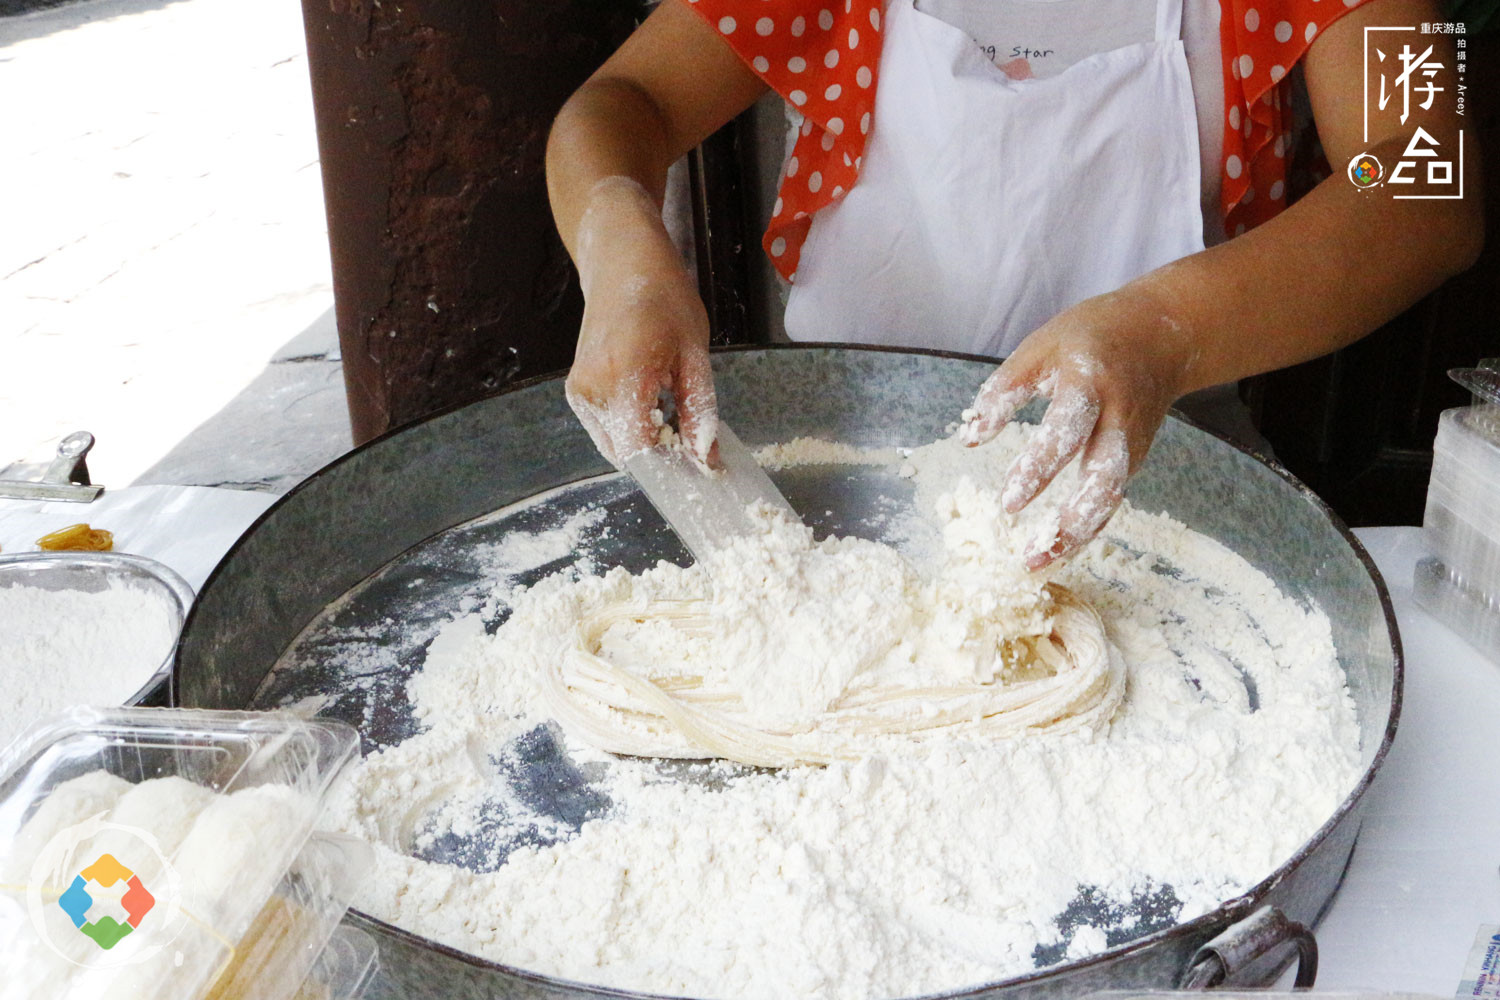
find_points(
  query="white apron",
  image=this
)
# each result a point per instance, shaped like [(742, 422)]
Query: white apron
[(986, 205)]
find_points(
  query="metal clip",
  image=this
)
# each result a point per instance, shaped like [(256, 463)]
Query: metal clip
[(66, 478), (1244, 942)]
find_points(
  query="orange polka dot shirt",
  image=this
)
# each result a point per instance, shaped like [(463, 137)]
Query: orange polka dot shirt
[(823, 57)]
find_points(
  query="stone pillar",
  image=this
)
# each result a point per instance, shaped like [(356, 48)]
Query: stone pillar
[(449, 278)]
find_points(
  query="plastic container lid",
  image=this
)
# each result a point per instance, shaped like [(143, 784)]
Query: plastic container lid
[(169, 854), (1464, 439), (1462, 517), (1483, 383)]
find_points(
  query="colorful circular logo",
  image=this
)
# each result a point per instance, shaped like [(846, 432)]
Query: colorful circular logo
[(1365, 171), (91, 908), (136, 900)]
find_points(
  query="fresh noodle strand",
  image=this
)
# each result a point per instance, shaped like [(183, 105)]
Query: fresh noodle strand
[(679, 715)]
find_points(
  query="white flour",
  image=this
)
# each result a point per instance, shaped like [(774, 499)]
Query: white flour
[(60, 648), (912, 870), (369, 663), (811, 451), (807, 651)]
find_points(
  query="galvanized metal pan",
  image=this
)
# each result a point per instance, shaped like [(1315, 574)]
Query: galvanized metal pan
[(366, 559)]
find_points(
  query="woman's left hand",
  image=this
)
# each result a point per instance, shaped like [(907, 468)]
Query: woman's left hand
[(1111, 367)]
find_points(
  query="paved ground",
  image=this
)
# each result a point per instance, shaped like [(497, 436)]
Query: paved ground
[(163, 237)]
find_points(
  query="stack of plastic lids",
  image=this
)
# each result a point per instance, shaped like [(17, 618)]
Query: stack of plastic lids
[(170, 854), (1460, 582)]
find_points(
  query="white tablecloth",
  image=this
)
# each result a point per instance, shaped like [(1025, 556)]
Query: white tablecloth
[(189, 528), (1426, 871)]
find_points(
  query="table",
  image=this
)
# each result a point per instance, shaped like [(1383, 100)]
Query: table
[(187, 528), (1426, 871)]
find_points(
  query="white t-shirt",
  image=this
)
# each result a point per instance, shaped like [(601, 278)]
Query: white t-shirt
[(1051, 35)]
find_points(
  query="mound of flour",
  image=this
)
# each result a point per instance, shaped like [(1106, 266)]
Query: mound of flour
[(912, 870), (67, 647)]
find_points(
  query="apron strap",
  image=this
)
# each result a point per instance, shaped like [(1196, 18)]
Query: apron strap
[(1169, 19)]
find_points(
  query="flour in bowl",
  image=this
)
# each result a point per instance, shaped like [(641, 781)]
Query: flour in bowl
[(60, 648), (918, 866)]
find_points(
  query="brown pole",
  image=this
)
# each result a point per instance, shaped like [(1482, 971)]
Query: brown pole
[(449, 279)]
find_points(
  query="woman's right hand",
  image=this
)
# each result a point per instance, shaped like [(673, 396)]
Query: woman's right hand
[(644, 330)]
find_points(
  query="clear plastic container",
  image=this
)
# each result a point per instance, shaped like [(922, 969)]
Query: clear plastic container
[(1461, 525), (168, 854), (1469, 612), (1462, 520), (288, 940), (344, 968)]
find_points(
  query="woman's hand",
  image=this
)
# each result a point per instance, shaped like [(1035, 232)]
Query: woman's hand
[(644, 330), (1111, 367)]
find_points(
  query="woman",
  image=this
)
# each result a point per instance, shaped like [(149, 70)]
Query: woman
[(1105, 206)]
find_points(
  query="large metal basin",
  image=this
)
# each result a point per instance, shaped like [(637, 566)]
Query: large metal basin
[(336, 530)]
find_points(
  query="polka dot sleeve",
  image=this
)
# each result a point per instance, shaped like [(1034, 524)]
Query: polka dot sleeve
[(1261, 40), (823, 58)]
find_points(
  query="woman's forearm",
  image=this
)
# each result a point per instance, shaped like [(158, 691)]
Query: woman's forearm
[(1342, 260), (1319, 276), (671, 84), (644, 329), (589, 144)]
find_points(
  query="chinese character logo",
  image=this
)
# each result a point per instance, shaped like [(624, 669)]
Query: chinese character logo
[(106, 931), (1422, 144), (1365, 171), (1411, 64), (1404, 85)]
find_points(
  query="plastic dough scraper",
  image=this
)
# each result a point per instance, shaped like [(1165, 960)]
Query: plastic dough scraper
[(706, 508)]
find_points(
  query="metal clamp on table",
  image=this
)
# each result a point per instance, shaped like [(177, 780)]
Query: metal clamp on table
[(67, 478)]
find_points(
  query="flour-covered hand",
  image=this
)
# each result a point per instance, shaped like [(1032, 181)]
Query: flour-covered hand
[(644, 331), (1110, 366)]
